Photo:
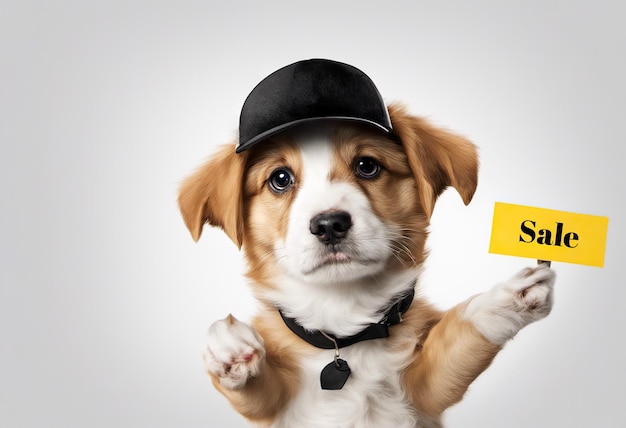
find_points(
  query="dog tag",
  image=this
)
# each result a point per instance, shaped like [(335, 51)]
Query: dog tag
[(335, 374)]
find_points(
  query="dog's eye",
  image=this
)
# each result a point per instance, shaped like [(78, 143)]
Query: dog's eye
[(281, 180), (367, 168)]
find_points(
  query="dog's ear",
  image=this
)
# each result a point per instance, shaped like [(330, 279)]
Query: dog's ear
[(213, 194), (437, 157)]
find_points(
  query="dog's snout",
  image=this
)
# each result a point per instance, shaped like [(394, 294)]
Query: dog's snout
[(331, 227)]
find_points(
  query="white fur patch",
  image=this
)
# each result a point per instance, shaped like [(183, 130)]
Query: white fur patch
[(234, 352), (501, 312), (343, 310), (372, 396)]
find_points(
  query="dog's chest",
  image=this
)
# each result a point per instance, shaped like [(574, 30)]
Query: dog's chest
[(371, 397)]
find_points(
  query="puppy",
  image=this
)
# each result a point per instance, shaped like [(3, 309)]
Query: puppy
[(332, 218)]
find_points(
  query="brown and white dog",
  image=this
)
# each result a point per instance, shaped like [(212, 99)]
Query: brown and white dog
[(333, 222)]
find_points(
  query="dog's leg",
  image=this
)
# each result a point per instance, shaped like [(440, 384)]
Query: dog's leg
[(468, 337), (241, 369)]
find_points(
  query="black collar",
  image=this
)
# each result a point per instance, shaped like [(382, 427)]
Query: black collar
[(380, 330)]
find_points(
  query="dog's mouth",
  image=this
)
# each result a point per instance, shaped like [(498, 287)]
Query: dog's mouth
[(330, 259), (334, 259), (339, 257)]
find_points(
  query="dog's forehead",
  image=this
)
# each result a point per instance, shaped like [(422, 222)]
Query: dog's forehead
[(308, 150), (325, 150)]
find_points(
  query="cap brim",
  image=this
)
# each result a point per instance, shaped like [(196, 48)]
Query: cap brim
[(285, 126)]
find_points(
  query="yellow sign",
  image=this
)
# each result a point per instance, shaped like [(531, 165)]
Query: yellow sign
[(544, 234)]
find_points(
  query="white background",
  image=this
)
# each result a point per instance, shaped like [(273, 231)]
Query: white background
[(106, 106)]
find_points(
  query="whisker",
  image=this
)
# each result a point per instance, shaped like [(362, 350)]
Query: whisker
[(398, 249)]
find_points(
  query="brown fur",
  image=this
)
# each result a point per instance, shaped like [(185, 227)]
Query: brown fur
[(437, 157), (266, 214), (446, 363), (447, 352), (213, 195)]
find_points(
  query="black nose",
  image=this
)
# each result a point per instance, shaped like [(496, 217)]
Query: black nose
[(331, 227)]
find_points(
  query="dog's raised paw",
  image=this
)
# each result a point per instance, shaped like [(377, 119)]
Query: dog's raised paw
[(509, 306), (234, 352), (533, 289)]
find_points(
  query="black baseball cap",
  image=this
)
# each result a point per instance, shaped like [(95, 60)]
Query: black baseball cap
[(306, 91)]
